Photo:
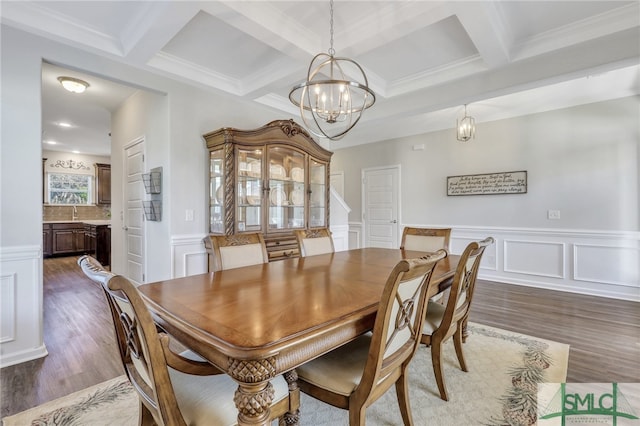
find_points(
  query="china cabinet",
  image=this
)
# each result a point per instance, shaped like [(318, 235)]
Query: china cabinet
[(273, 180)]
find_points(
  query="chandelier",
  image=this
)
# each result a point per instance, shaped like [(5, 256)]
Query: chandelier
[(330, 103), (465, 127)]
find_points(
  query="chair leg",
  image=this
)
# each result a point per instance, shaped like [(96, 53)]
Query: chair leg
[(436, 357), (458, 338), (357, 415), (402, 390), (145, 418)]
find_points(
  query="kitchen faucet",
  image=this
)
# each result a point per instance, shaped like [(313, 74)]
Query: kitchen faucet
[(75, 213)]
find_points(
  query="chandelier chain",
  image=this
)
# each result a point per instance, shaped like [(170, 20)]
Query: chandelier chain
[(330, 102), (331, 49)]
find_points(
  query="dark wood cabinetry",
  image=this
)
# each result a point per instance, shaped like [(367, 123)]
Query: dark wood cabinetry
[(90, 239), (67, 238), (97, 241), (47, 246), (72, 238), (103, 183)]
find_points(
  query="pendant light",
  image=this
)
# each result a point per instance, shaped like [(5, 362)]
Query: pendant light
[(330, 102), (465, 127)]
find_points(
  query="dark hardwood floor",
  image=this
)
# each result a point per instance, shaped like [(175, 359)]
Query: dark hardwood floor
[(604, 334)]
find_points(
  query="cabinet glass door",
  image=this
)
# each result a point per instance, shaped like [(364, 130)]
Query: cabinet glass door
[(249, 190), (286, 173), (318, 196), (216, 192)]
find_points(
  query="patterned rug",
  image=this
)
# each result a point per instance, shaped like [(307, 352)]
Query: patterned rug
[(499, 389)]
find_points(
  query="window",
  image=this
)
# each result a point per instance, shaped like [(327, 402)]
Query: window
[(69, 189)]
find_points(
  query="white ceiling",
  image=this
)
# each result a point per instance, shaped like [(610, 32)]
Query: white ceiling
[(423, 59)]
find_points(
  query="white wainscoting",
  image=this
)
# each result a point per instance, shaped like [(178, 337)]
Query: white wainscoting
[(599, 263), (21, 337), (355, 235), (340, 236), (188, 255)]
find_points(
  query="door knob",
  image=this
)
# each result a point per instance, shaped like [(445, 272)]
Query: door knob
[(126, 228), (394, 221)]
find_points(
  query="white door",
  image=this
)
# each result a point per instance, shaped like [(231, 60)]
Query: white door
[(380, 193), (134, 225)]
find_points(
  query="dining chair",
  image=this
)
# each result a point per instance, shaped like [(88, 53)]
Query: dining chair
[(449, 319), (314, 241), (355, 375), (428, 240), (235, 251), (425, 239), (173, 388)]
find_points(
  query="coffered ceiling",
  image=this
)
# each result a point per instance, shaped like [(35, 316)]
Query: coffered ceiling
[(424, 59)]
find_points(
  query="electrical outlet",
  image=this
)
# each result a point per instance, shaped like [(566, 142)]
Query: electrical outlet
[(188, 215), (553, 214)]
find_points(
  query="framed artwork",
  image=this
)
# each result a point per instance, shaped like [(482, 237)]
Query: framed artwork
[(488, 184)]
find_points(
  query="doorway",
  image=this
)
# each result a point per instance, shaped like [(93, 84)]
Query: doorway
[(134, 222), (381, 206)]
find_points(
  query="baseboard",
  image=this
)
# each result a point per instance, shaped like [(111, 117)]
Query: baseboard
[(23, 356)]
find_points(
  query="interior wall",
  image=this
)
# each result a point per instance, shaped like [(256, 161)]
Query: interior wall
[(582, 161), (173, 141), (143, 115)]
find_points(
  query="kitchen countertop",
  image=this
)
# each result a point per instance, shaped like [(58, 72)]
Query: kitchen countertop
[(97, 222), (89, 222)]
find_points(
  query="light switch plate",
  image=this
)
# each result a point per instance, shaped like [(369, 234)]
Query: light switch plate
[(553, 214)]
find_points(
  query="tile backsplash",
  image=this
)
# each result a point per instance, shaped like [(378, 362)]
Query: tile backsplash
[(84, 212)]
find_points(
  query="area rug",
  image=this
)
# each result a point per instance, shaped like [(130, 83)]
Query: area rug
[(499, 389)]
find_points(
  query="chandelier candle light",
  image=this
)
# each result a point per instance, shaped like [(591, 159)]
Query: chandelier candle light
[(331, 104), (466, 127)]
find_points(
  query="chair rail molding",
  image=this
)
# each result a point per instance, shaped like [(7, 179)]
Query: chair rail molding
[(593, 262), (21, 328)]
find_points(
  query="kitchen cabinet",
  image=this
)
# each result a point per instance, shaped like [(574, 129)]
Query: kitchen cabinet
[(47, 249), (67, 238), (90, 239), (97, 240), (272, 180), (103, 184)]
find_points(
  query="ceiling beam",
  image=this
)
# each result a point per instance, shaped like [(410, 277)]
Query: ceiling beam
[(484, 25), (154, 27)]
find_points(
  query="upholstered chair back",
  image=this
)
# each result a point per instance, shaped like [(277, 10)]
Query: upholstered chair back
[(426, 239), (314, 241), (235, 251)]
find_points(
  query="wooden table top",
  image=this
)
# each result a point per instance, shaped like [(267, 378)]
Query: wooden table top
[(259, 311)]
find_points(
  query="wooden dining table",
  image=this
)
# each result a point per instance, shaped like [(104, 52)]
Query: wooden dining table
[(257, 322)]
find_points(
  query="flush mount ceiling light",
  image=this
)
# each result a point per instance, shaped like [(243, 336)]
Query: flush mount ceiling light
[(465, 127), (74, 85), (330, 103)]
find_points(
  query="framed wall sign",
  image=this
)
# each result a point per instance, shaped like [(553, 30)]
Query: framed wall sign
[(488, 184)]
